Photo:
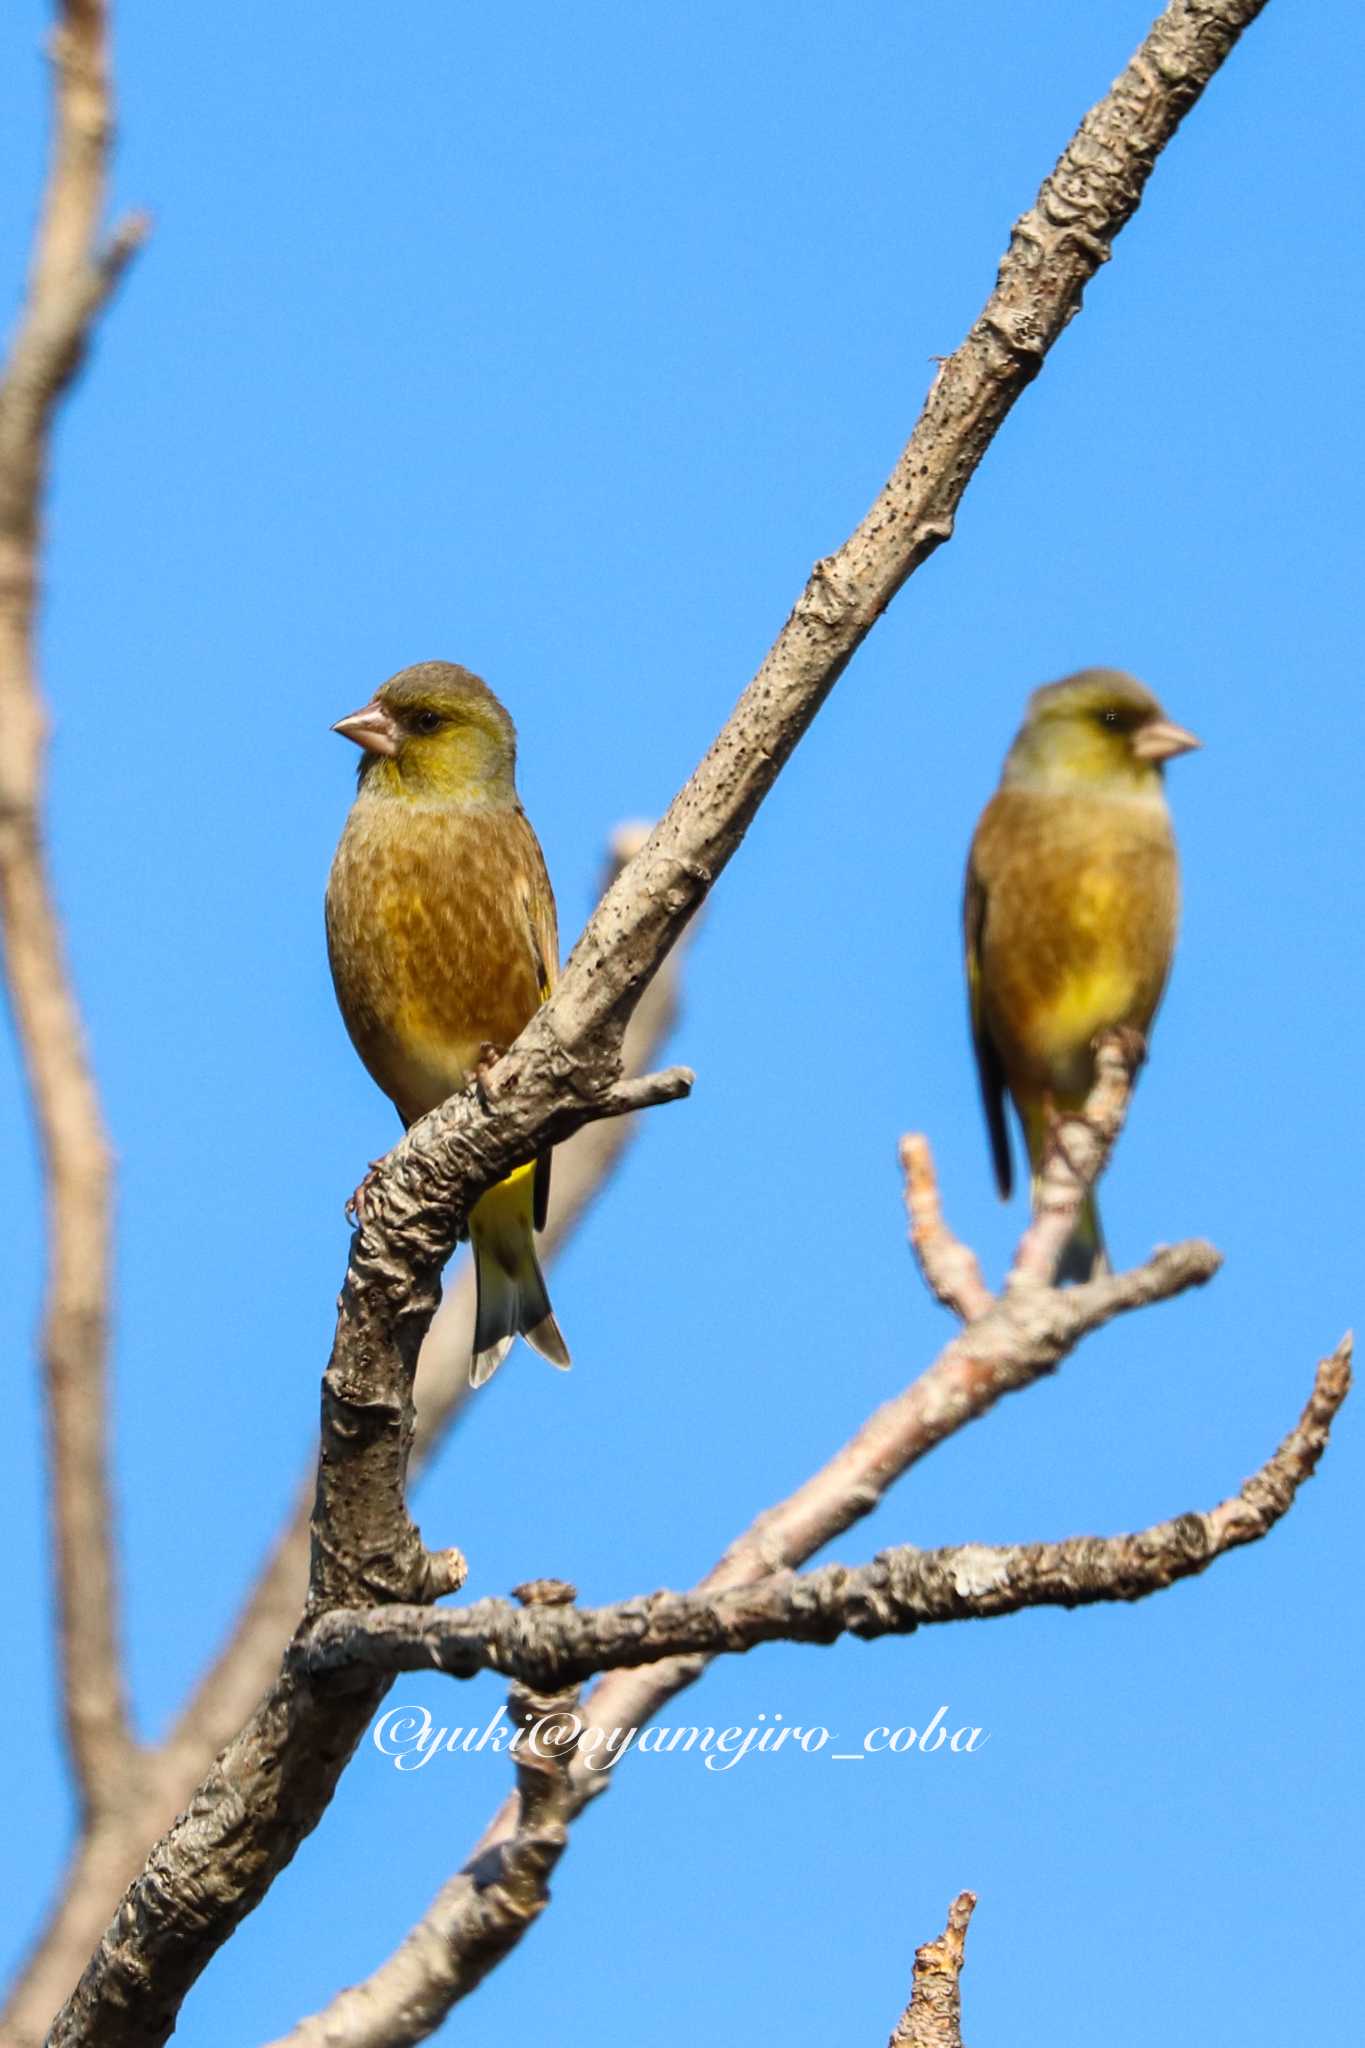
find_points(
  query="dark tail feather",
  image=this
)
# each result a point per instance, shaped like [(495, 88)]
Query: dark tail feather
[(547, 1338), (512, 1297), (1084, 1257)]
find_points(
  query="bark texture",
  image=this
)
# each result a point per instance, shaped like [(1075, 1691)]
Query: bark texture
[(933, 2018)]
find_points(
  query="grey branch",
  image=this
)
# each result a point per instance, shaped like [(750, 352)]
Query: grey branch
[(273, 1780), (70, 279), (933, 2018), (554, 1648)]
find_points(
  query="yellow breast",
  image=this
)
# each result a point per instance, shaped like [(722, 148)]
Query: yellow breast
[(1078, 930)]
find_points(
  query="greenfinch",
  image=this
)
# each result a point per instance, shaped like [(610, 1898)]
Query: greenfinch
[(443, 942), (1070, 911)]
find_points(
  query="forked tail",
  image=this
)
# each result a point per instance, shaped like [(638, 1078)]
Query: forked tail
[(512, 1297)]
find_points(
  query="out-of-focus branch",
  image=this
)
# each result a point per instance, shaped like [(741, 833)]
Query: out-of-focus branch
[(902, 1590), (950, 1268), (1077, 1153), (933, 2018), (70, 278)]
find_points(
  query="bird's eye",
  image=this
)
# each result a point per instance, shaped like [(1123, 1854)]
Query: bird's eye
[(427, 721), (1111, 719)]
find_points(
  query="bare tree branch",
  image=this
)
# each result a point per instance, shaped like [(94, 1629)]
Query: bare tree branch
[(492, 1902), (317, 1720), (951, 1269), (1077, 1154), (933, 2018), (252, 1659), (1009, 1344), (70, 279), (553, 1648), (103, 1867), (962, 1383), (274, 1779), (1024, 1337), (903, 1589)]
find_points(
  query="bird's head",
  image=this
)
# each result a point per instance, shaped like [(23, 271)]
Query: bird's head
[(437, 734), (1100, 732)]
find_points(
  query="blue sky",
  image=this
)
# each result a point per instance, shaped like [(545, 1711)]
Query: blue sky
[(561, 342)]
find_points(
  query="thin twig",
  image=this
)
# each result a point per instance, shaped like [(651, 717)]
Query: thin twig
[(70, 280), (951, 1269), (1078, 1151)]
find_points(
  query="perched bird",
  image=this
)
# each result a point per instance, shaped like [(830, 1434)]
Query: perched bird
[(1070, 910), (443, 942)]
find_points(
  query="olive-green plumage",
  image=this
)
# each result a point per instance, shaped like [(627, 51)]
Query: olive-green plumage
[(1071, 906), (442, 939)]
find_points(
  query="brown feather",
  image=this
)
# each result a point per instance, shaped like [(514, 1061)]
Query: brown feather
[(1078, 900), (442, 938)]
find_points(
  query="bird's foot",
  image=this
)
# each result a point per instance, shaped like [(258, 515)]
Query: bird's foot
[(1132, 1045), (355, 1206), (489, 1055), (1056, 1122)]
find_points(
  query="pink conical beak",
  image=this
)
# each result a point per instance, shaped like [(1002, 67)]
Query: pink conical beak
[(1159, 740), (372, 728)]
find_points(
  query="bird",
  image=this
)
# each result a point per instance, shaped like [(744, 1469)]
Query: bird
[(443, 942), (1070, 911)]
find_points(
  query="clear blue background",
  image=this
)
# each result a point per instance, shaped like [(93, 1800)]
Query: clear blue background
[(561, 341)]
